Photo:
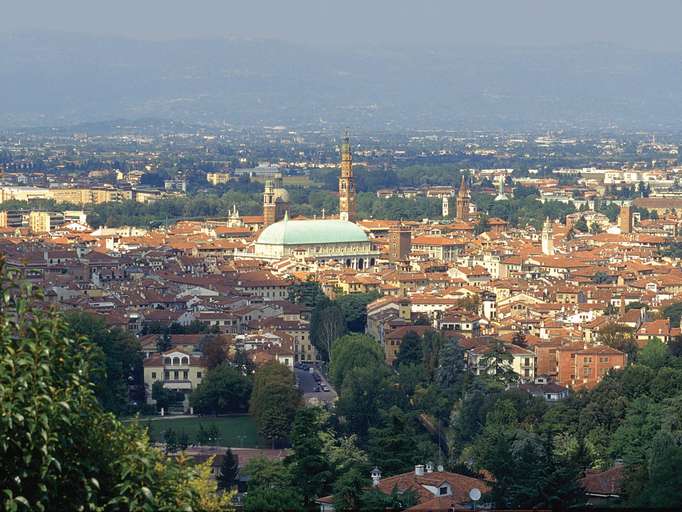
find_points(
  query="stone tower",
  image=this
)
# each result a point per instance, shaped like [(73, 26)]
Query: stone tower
[(446, 207), (547, 238), (463, 201), (281, 198), (269, 206), (346, 183), (275, 201), (399, 242), (625, 218)]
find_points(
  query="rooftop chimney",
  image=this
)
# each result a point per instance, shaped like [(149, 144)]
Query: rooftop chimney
[(419, 470), (376, 476)]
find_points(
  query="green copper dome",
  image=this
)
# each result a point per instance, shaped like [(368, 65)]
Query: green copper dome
[(302, 232)]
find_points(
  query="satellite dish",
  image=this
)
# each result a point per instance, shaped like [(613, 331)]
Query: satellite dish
[(475, 494)]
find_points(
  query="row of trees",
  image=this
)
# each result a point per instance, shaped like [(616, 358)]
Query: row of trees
[(523, 211)]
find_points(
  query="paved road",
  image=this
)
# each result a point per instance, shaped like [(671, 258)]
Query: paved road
[(307, 385)]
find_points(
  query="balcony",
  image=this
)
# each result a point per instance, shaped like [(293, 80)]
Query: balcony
[(178, 384)]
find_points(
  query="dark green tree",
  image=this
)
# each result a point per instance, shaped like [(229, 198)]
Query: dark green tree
[(308, 293), (663, 486), (170, 437), (482, 226), (432, 342), (274, 401), (224, 390), (363, 393), (229, 471), (581, 225), (308, 463), (393, 444), (183, 440), (202, 438), (348, 490), (117, 357), (496, 365), (164, 342), (354, 309), (410, 351), (601, 278), (451, 364), (271, 487), (595, 228), (654, 354), (352, 351), (675, 346), (674, 311)]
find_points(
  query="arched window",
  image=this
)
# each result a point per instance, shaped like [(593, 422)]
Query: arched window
[(348, 263), (167, 360), (372, 262), (176, 361), (361, 263), (185, 360)]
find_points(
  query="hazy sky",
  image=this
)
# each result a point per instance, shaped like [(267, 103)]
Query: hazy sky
[(652, 24)]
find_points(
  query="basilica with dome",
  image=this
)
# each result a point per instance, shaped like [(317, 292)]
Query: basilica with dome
[(321, 240)]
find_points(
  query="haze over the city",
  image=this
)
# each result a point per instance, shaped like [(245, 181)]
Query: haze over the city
[(380, 64)]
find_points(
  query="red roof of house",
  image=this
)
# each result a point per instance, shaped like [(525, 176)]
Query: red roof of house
[(460, 484), (604, 483)]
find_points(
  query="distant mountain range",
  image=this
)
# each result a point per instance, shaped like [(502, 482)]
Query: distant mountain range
[(59, 79)]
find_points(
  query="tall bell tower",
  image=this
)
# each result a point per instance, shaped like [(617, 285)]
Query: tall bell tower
[(463, 198), (547, 238), (346, 183), (269, 206)]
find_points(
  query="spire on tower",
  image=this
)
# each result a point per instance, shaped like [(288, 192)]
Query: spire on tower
[(462, 209), (463, 186)]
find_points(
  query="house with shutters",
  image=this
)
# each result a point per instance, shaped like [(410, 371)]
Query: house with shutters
[(177, 370)]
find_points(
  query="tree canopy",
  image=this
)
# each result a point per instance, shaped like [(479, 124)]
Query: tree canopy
[(116, 356), (59, 449), (223, 390), (351, 351), (274, 401)]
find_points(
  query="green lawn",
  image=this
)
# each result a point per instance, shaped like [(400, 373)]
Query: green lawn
[(234, 431)]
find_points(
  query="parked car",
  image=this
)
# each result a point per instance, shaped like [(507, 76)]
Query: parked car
[(325, 388)]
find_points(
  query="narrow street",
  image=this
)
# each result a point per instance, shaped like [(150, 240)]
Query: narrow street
[(309, 386)]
